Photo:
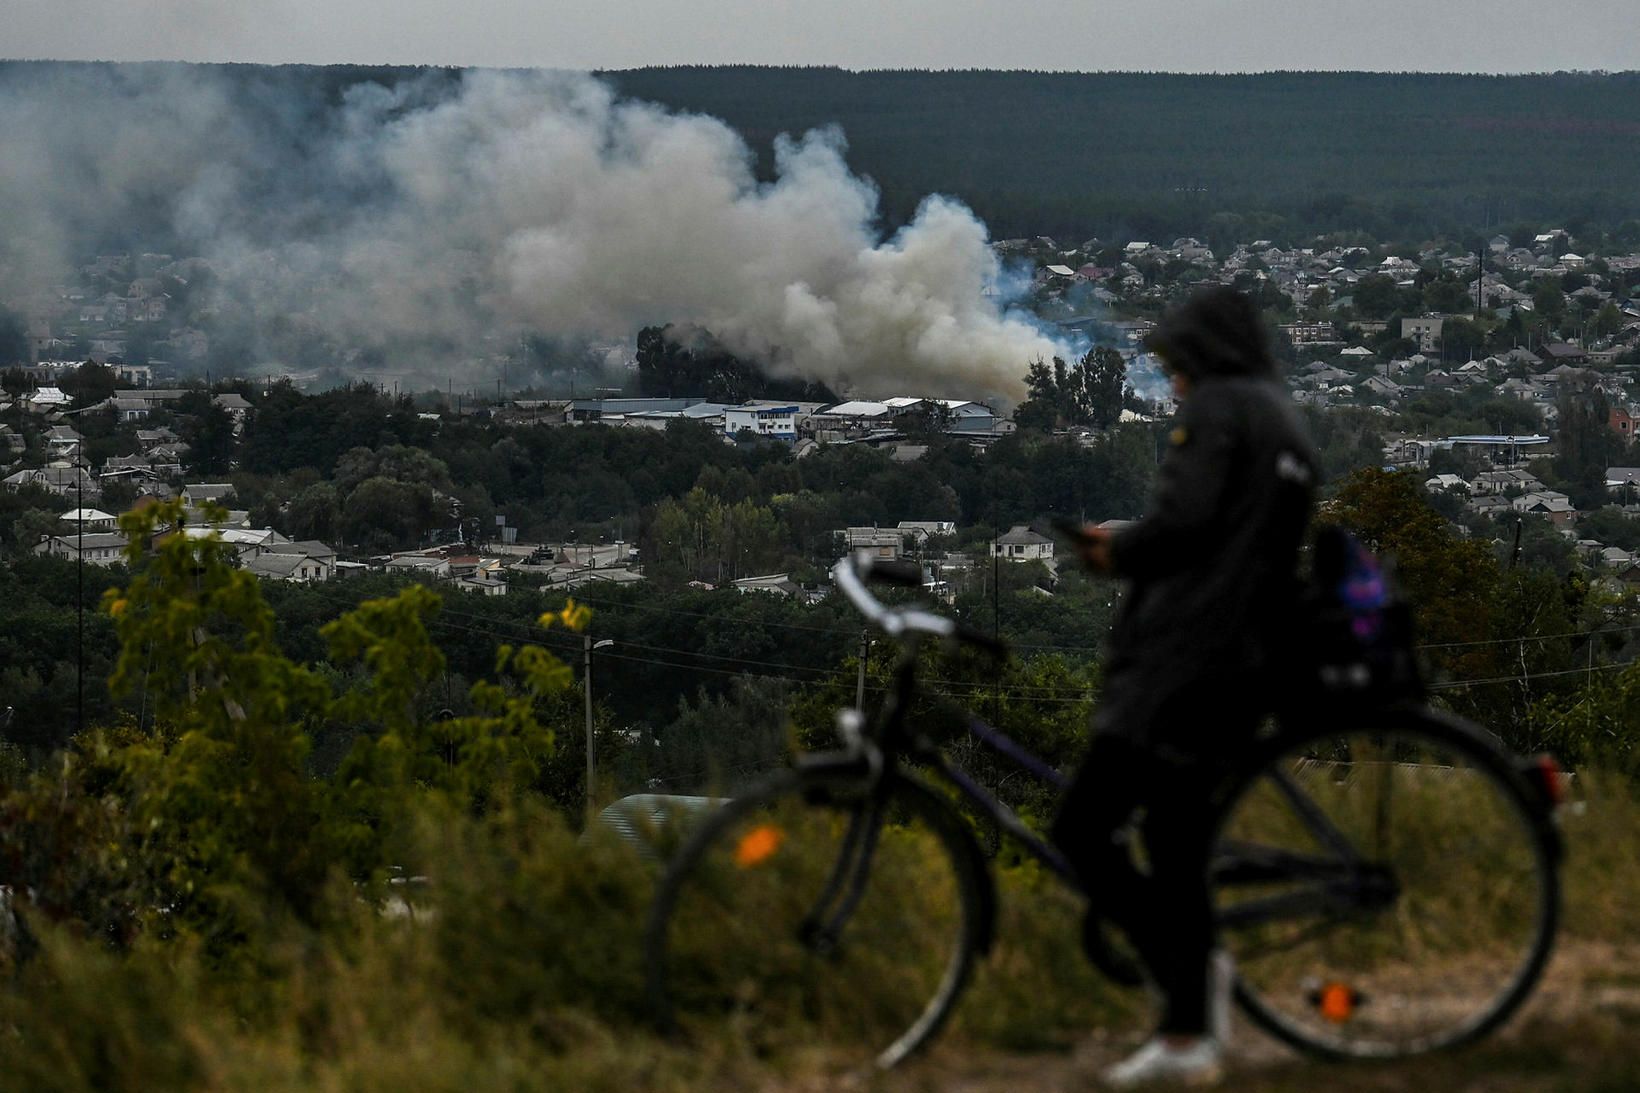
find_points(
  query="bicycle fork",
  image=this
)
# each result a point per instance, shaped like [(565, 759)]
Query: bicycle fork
[(823, 925)]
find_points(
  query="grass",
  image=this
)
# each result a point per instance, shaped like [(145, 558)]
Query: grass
[(521, 970)]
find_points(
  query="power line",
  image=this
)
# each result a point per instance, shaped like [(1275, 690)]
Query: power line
[(1521, 678), (960, 689)]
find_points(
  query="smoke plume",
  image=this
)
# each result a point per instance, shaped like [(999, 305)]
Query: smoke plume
[(434, 215)]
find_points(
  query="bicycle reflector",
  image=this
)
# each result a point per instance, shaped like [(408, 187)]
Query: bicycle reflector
[(1336, 1002), (758, 845), (1546, 775)]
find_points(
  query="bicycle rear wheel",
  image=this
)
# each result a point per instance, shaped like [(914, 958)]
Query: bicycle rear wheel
[(1386, 889), (820, 908)]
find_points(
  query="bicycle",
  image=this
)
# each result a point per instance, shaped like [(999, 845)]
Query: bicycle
[(849, 892)]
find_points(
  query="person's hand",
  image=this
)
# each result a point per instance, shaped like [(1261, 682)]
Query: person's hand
[(1093, 547)]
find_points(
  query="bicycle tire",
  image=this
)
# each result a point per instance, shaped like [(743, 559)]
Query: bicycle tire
[(725, 940), (1430, 943)]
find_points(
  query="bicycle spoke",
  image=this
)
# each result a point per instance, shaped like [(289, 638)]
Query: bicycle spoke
[(1385, 891)]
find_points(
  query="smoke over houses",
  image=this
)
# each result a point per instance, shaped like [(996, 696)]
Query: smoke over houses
[(431, 216)]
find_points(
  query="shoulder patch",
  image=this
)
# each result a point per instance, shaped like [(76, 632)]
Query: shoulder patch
[(1178, 436)]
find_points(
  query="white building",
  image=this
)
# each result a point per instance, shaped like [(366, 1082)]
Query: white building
[(100, 548), (779, 422), (1021, 544)]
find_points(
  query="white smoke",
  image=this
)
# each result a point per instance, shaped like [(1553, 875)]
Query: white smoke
[(540, 202)]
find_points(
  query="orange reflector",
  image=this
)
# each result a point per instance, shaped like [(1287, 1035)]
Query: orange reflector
[(1337, 1003), (758, 845), (1550, 777)]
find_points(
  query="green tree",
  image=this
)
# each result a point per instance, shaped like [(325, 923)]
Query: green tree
[(314, 513), (1090, 392), (1549, 302), (384, 513), (1376, 296), (1447, 294), (1449, 580), (90, 384), (1585, 442), (208, 430), (1608, 320)]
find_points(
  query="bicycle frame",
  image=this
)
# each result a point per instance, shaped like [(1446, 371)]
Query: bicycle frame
[(1336, 883), (1333, 884)]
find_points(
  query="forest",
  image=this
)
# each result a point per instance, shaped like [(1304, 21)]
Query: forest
[(1284, 155), (1122, 155)]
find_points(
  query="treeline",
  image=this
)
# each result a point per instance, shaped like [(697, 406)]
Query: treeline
[(1225, 158)]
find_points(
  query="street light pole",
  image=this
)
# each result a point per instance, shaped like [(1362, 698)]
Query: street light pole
[(79, 566), (587, 646)]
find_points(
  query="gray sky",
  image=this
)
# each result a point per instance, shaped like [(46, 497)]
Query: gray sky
[(1175, 35)]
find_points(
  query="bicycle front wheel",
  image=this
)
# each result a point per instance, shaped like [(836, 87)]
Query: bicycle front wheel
[(823, 907), (1387, 889)]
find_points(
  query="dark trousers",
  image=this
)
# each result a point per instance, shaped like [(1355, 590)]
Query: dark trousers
[(1166, 910)]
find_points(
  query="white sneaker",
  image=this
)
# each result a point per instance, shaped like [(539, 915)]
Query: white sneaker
[(1199, 1063), (1221, 985)]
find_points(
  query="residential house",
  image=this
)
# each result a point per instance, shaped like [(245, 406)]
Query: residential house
[(275, 558), (149, 439), (1488, 483), (43, 400), (1556, 506), (1565, 353), (60, 478), (95, 548), (880, 542), (422, 564), (1378, 385), (126, 410), (155, 397), (922, 530), (482, 585), (235, 405), (90, 519), (274, 566), (1021, 544), (780, 584), (1311, 333), (62, 442), (1488, 505), (1616, 558), (134, 375), (199, 493), (1425, 330)]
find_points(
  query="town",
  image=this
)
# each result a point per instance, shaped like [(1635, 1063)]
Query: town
[(1503, 372)]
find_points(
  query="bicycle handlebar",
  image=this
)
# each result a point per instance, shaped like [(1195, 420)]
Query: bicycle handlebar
[(850, 575)]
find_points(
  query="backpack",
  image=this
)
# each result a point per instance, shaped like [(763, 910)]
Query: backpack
[(1355, 629)]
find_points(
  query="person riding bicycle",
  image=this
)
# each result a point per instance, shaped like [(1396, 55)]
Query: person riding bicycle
[(1211, 573)]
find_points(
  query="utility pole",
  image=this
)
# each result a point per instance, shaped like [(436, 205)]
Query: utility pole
[(860, 683), (587, 646), (79, 606)]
